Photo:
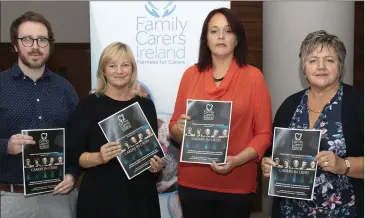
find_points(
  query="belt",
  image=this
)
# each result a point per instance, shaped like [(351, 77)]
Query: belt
[(12, 188)]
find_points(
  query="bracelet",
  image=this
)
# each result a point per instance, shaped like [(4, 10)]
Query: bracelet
[(348, 166)]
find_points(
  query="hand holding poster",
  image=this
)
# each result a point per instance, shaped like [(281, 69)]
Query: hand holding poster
[(206, 135), (132, 130), (294, 151), (170, 29), (43, 162)]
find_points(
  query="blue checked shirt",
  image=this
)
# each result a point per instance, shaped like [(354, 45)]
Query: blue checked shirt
[(25, 104)]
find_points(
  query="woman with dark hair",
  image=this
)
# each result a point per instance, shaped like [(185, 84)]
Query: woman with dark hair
[(222, 73)]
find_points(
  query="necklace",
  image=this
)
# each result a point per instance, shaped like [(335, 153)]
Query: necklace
[(310, 110), (218, 80), (317, 112)]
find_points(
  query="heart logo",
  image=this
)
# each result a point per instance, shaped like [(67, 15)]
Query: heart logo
[(298, 136), (209, 107), (44, 135), (121, 118)]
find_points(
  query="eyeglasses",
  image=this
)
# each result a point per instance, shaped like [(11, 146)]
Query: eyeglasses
[(29, 41)]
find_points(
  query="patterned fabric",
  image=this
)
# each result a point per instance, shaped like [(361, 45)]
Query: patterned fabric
[(333, 194), (25, 104)]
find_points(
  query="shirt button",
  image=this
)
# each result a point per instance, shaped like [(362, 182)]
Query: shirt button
[(24, 77), (35, 83), (40, 117), (37, 99)]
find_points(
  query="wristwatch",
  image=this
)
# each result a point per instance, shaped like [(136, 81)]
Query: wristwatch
[(348, 166)]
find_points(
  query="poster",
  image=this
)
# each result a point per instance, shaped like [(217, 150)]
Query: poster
[(43, 162), (294, 151), (206, 134), (132, 130)]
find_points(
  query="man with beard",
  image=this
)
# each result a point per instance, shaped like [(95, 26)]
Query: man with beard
[(32, 97)]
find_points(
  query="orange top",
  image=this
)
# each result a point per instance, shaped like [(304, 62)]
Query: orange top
[(250, 124)]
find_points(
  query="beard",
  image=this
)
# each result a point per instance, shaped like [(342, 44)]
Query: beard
[(27, 60)]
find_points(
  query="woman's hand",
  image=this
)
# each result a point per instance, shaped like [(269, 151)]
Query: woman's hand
[(225, 168), (109, 151), (330, 162), (266, 164), (156, 164), (181, 122)]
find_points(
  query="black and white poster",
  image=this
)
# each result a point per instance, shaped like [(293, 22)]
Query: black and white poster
[(206, 135), (43, 162), (294, 151), (132, 130)]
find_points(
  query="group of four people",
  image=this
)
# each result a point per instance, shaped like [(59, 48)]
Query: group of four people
[(33, 97)]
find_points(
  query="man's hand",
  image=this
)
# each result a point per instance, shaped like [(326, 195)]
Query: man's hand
[(16, 141), (65, 186)]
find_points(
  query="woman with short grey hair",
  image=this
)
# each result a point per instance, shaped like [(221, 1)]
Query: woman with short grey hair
[(336, 109), (319, 39)]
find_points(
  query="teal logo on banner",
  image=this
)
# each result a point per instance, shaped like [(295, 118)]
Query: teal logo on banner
[(160, 37), (162, 11)]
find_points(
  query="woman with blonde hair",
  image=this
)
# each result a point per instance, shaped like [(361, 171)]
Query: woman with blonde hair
[(105, 190)]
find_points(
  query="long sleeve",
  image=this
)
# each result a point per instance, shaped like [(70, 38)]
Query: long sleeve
[(250, 124), (180, 103), (280, 114), (284, 114), (73, 100), (3, 141), (3, 147), (78, 131), (262, 127)]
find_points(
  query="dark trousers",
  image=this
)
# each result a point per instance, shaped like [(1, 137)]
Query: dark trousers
[(198, 203)]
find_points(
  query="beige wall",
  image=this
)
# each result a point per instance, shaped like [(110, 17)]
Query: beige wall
[(69, 19), (285, 25)]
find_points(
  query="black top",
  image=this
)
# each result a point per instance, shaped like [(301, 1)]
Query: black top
[(105, 190), (352, 116)]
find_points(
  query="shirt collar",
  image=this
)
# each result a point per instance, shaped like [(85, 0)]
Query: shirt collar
[(17, 72)]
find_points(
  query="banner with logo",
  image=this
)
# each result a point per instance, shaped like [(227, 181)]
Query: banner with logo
[(164, 37)]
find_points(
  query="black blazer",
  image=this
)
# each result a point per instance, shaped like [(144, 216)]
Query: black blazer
[(352, 116)]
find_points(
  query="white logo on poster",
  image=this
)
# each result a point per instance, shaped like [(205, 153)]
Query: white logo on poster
[(298, 136), (209, 107), (121, 118), (44, 142), (297, 143), (208, 112), (123, 122)]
